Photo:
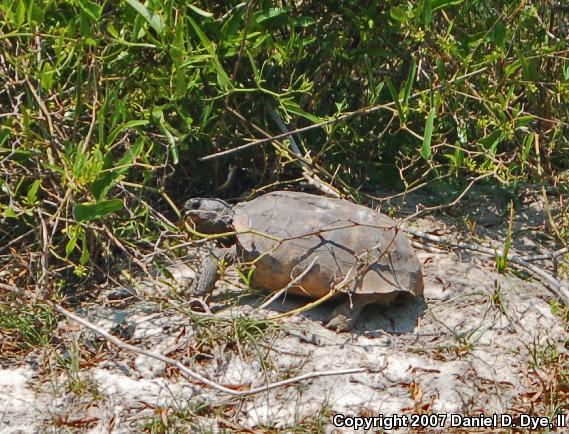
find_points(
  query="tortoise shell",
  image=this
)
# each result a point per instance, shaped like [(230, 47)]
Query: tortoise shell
[(358, 250)]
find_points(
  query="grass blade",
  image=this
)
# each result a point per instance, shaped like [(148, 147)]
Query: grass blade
[(426, 150), (409, 84), (395, 97), (427, 12), (153, 19)]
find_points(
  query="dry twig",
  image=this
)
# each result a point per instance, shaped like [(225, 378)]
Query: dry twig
[(292, 283), (196, 376), (307, 172), (557, 286), (362, 111)]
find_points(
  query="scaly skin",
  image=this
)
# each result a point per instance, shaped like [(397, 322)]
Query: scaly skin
[(343, 318), (347, 313), (209, 270)]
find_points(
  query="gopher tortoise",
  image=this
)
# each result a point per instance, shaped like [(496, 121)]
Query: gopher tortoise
[(352, 249)]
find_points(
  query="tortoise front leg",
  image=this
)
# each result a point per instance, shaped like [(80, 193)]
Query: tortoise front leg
[(208, 270), (345, 316)]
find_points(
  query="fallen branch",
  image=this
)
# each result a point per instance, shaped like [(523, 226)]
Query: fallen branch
[(424, 210), (362, 111), (552, 256), (196, 376), (307, 172), (12, 288), (557, 286)]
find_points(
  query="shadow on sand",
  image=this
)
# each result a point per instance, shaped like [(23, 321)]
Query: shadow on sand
[(400, 317)]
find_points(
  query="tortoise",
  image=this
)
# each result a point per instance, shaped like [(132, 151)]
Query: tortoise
[(353, 249)]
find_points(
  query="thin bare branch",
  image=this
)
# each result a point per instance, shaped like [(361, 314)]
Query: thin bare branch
[(366, 110), (557, 286), (193, 374), (291, 284)]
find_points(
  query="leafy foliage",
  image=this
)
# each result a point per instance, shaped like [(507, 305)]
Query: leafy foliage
[(106, 107)]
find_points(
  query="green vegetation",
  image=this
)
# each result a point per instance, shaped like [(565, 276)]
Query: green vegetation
[(106, 107), (549, 374), (24, 326), (110, 113), (242, 334), (102, 103), (71, 363)]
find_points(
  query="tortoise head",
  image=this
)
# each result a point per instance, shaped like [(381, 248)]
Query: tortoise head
[(209, 216)]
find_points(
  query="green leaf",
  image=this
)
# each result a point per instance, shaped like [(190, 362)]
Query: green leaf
[(92, 211), (492, 140), (201, 12), (113, 31), (293, 107), (33, 192), (527, 146), (522, 121), (70, 246), (222, 78), (20, 12), (409, 84), (474, 40), (151, 18), (498, 34), (427, 12), (202, 36), (440, 4), (9, 212), (79, 164), (530, 69), (459, 156), (272, 18), (426, 150), (91, 9), (441, 68), (452, 159), (101, 186), (35, 13), (85, 251), (158, 116), (46, 79), (395, 97), (398, 14), (5, 134), (512, 67), (130, 124), (256, 75)]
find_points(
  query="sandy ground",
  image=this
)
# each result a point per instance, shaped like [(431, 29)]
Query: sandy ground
[(468, 348)]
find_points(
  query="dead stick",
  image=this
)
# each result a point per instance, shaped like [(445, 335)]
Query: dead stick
[(545, 256), (196, 376), (558, 287), (307, 172), (365, 110)]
